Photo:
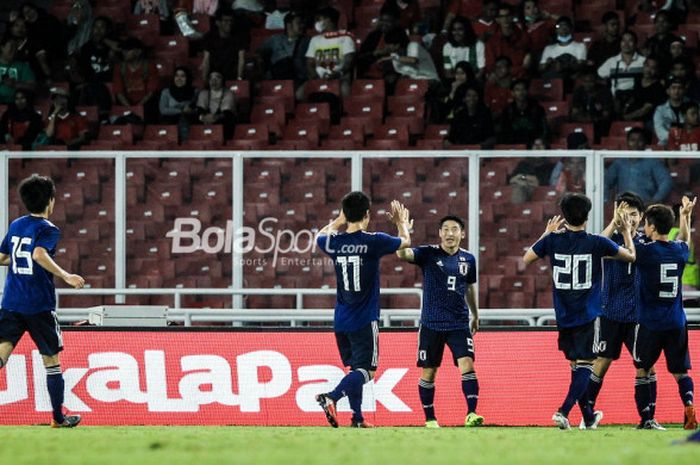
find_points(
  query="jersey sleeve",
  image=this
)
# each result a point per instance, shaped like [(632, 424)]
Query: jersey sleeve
[(322, 241), (607, 247), (471, 272), (4, 248), (48, 238), (419, 255), (685, 250), (386, 244), (541, 247)]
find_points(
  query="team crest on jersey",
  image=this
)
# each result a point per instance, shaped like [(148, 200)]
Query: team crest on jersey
[(463, 268)]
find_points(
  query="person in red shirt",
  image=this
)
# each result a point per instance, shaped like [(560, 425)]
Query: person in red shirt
[(539, 24), (510, 40), (21, 123), (64, 127), (464, 8), (687, 138), (485, 25), (497, 93), (136, 80)]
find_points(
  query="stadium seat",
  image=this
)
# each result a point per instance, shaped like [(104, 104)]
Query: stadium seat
[(361, 106), (88, 112), (322, 85), (344, 131), (416, 87), (213, 133), (146, 28), (271, 114), (373, 88), (557, 113), (389, 131), (119, 135), (407, 111), (177, 47), (241, 92), (619, 129), (549, 90), (251, 132), (314, 114), (165, 134), (280, 90), (586, 128), (296, 131), (386, 144), (118, 111)]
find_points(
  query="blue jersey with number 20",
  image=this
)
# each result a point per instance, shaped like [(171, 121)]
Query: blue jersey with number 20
[(29, 288), (576, 273), (356, 257)]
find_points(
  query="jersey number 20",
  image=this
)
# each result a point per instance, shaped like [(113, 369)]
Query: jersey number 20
[(354, 262), (18, 244), (572, 267)]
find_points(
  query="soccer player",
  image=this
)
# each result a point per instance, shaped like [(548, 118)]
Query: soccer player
[(29, 299), (575, 259), (356, 254), (449, 286), (618, 320), (662, 321)]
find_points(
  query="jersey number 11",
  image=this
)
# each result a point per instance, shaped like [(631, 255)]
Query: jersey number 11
[(352, 261)]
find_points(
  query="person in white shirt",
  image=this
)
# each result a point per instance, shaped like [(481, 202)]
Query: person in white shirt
[(409, 59), (462, 45), (622, 69), (331, 53), (564, 57)]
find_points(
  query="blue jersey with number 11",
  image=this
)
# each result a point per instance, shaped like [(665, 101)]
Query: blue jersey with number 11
[(356, 257), (29, 288), (576, 273)]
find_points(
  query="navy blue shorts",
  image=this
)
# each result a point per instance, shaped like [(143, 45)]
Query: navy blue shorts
[(673, 342), (577, 342), (360, 349), (42, 327), (611, 335), (431, 346)]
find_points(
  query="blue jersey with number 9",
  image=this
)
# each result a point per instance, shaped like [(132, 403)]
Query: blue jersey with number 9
[(576, 273), (29, 288), (356, 257)]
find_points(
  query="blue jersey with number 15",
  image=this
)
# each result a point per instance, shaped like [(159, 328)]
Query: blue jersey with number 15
[(29, 288), (356, 257), (576, 273)]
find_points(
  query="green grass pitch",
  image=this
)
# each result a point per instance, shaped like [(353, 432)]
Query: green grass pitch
[(40, 445)]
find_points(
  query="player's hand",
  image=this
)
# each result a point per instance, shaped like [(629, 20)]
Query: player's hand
[(341, 220), (687, 205), (75, 281), (618, 212), (474, 325), (554, 224)]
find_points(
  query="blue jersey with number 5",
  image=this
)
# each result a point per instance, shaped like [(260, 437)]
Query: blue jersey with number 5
[(660, 265), (29, 288), (575, 258), (356, 257)]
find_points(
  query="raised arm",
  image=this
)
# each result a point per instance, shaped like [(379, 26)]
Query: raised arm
[(684, 221), (616, 221), (333, 226), (552, 225), (42, 257), (473, 308), (627, 253), (4, 260), (400, 216)]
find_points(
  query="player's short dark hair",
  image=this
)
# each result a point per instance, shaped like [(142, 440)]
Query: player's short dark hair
[(355, 206), (454, 218), (632, 199), (575, 208), (36, 192), (661, 216), (329, 13)]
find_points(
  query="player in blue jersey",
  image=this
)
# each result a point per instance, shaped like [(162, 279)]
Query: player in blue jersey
[(356, 254), (449, 293), (662, 321), (29, 299), (617, 323), (575, 258)]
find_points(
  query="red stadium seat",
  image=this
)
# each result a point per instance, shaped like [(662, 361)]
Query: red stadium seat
[(317, 114), (241, 92), (271, 114), (121, 135), (296, 131), (557, 113), (347, 130), (586, 128), (550, 90), (322, 85), (417, 87), (280, 90), (407, 111), (386, 144), (213, 133), (251, 132), (621, 128), (368, 87), (173, 46), (167, 135)]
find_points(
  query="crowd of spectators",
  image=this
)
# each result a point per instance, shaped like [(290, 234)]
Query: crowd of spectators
[(478, 58)]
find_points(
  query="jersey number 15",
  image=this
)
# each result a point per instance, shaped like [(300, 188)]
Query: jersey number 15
[(18, 244)]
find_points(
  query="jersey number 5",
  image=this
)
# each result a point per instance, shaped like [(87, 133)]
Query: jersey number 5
[(354, 262), (666, 279), (18, 244), (572, 267)]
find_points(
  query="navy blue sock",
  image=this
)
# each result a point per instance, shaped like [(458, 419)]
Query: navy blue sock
[(470, 388), (355, 395), (579, 383), (55, 385), (593, 390), (685, 389), (642, 397), (426, 392), (347, 385), (652, 394)]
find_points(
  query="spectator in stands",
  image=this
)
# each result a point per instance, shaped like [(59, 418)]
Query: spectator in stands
[(178, 102), (573, 174), (524, 120), (463, 8), (30, 50), (63, 125), (592, 103), (215, 105), (20, 124), (659, 45), (13, 74), (539, 24), (509, 40), (669, 113), (677, 49), (225, 46), (622, 69), (686, 138), (609, 44), (94, 66), (136, 80), (647, 94), (565, 57), (646, 177), (80, 21), (683, 68), (463, 77), (485, 24), (284, 55), (153, 7), (45, 29), (409, 13), (497, 91), (331, 53), (472, 123), (373, 47), (462, 45), (529, 173), (408, 59), (205, 7)]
